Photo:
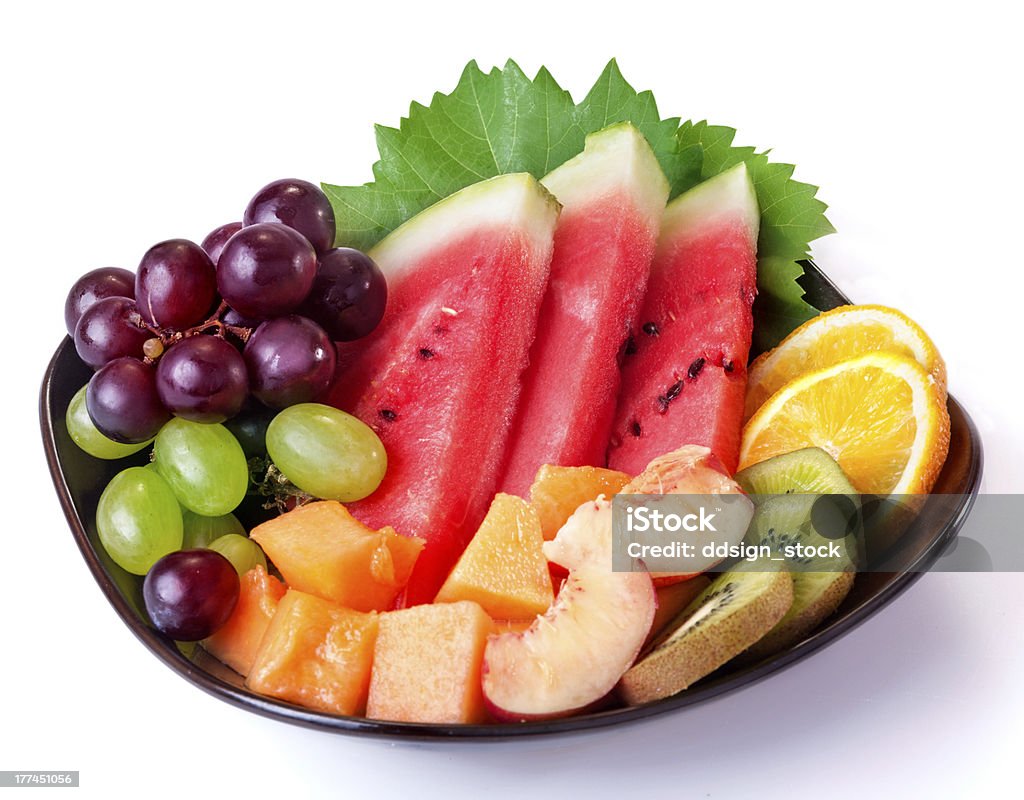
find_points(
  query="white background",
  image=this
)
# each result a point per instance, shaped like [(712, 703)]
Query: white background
[(125, 125)]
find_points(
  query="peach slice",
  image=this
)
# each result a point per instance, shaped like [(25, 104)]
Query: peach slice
[(573, 655), (695, 471), (690, 469)]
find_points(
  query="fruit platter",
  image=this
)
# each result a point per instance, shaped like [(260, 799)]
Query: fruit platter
[(352, 462)]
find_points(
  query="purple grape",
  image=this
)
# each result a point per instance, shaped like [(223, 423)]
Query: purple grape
[(266, 270), (176, 285), (123, 403), (94, 286), (215, 240), (297, 204), (190, 594), (348, 296), (107, 330), (203, 379), (291, 360), (233, 318)]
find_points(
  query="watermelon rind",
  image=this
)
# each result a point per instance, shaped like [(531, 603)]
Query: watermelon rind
[(516, 201), (612, 157), (728, 194)]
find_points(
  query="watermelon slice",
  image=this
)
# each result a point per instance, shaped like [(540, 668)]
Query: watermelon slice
[(440, 378), (612, 195), (685, 375)]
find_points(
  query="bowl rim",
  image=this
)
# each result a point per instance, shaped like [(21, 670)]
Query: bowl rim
[(839, 625)]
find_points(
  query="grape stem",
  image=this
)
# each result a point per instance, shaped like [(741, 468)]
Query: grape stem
[(214, 323), (268, 481)]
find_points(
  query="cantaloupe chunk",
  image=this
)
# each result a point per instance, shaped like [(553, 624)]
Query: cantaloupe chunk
[(237, 642), (322, 549), (316, 654), (426, 665), (503, 568), (672, 599), (558, 491)]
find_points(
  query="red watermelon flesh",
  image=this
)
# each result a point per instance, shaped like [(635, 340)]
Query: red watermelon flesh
[(612, 195), (685, 376), (440, 378)]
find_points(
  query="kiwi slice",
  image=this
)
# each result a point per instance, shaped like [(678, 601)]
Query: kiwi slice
[(820, 582), (813, 471), (807, 471), (735, 611)]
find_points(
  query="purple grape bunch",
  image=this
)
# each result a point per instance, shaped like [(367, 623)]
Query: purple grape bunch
[(205, 331)]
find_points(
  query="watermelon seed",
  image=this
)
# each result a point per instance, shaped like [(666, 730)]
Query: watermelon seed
[(662, 404), (426, 353), (635, 428), (673, 391), (727, 365), (695, 369), (451, 312), (388, 414), (650, 329), (630, 346)]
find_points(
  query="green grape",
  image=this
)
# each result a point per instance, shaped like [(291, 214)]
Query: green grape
[(84, 434), (200, 530), (204, 465), (187, 649), (241, 551), (138, 519), (326, 452)]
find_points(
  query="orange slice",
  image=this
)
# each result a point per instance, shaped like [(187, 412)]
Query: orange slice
[(839, 335), (882, 416)]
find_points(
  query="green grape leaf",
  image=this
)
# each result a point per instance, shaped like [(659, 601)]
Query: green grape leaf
[(501, 121), (780, 306), (613, 100), (494, 123), (791, 218)]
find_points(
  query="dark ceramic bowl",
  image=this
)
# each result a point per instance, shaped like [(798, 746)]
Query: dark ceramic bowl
[(79, 479)]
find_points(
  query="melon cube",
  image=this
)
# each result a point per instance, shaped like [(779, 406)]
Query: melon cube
[(503, 568), (426, 665), (238, 640), (558, 491), (316, 654), (322, 549)]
